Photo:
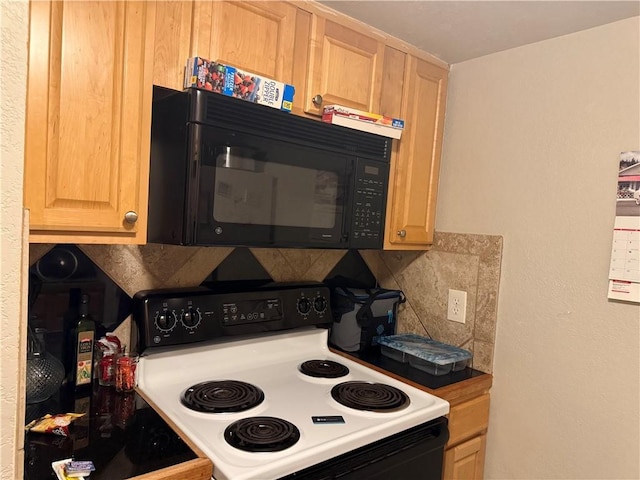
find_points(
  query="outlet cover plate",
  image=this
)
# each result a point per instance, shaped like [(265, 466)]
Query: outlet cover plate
[(457, 306)]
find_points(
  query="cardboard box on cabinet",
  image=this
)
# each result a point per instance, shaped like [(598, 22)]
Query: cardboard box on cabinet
[(364, 121), (231, 81)]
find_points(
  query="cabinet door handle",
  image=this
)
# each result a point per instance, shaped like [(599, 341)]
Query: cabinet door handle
[(131, 217), (402, 233), (317, 100)]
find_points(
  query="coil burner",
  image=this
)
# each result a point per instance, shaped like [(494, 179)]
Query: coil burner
[(222, 396), (261, 434), (323, 369), (373, 397)]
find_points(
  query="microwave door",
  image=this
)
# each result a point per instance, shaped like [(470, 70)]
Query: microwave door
[(314, 200), (311, 202), (258, 192), (234, 191), (244, 197)]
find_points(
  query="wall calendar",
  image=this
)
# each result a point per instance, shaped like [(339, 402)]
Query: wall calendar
[(624, 272)]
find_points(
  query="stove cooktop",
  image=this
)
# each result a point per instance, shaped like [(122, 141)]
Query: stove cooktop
[(317, 426)]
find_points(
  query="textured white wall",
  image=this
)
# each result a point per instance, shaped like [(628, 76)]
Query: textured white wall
[(531, 149), (13, 37)]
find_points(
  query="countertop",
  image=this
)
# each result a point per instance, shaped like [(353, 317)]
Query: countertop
[(126, 438), (121, 434), (455, 387)]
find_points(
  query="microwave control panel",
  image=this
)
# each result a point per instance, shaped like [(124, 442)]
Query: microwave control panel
[(369, 199), (173, 317)]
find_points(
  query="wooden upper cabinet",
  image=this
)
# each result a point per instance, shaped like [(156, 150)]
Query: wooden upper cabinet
[(172, 45), (253, 36), (88, 121), (413, 191), (345, 68)]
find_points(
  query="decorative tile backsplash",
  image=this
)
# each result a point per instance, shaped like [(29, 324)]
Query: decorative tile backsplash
[(459, 261), (456, 261)]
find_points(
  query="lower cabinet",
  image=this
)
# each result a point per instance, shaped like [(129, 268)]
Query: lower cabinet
[(466, 461), (464, 454)]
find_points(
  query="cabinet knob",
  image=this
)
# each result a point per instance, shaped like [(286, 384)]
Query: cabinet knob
[(131, 217), (317, 100), (402, 233)]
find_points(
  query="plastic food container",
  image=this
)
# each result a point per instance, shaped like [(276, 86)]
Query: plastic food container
[(428, 355), (398, 355)]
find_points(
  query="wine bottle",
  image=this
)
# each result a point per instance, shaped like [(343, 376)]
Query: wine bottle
[(85, 332)]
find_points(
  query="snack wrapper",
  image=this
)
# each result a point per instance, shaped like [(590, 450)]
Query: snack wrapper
[(110, 344), (78, 469), (108, 348), (59, 469), (53, 424)]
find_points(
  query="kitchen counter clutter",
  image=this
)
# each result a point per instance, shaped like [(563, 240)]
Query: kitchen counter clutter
[(121, 434)]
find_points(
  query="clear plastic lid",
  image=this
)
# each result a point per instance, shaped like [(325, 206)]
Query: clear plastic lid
[(425, 348)]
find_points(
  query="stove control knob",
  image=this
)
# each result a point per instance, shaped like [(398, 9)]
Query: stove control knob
[(304, 305), (165, 320), (191, 317), (320, 304)]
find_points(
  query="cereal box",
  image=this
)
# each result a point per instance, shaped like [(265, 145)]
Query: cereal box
[(231, 81), (364, 121)]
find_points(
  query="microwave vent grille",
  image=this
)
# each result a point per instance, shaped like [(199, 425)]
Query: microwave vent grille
[(234, 114)]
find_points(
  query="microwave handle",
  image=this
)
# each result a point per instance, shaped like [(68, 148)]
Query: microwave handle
[(241, 158)]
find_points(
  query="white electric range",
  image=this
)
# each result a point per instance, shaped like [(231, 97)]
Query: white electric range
[(279, 404)]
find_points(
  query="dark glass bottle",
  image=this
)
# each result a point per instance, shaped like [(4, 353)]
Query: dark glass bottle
[(84, 337)]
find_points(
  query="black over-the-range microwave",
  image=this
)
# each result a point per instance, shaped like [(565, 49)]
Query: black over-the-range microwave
[(228, 172)]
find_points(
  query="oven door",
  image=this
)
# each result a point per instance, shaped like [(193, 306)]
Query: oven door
[(412, 454), (256, 191)]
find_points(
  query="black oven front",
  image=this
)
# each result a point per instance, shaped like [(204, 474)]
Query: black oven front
[(417, 453), (227, 172)]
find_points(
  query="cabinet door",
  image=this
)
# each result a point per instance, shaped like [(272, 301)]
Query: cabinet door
[(345, 68), (466, 461), (253, 36), (469, 419), (172, 45), (88, 120), (412, 195)]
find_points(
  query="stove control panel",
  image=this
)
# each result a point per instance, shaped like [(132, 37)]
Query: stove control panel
[(251, 311), (181, 316)]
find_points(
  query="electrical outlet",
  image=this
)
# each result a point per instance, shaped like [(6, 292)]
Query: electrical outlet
[(457, 306)]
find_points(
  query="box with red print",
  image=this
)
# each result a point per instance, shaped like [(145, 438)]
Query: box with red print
[(231, 81)]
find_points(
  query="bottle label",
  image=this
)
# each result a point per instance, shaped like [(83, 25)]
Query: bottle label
[(86, 345), (84, 359)]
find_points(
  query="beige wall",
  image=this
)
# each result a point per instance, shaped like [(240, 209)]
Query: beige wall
[(531, 149), (13, 37)]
